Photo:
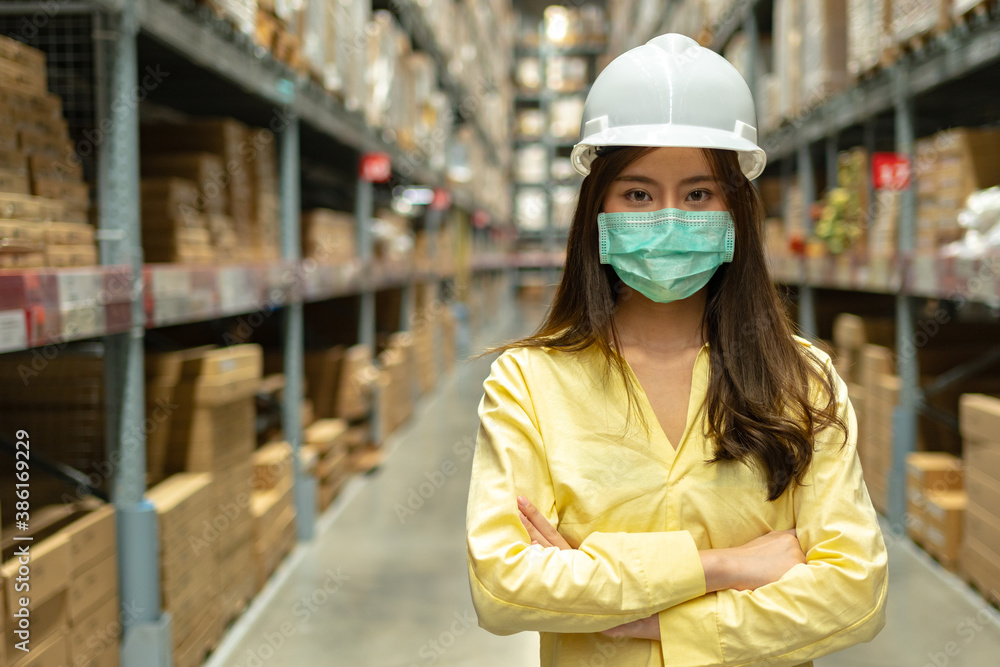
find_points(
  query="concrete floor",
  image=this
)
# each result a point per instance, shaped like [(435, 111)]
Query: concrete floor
[(383, 584)]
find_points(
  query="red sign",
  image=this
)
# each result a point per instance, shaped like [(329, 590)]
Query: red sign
[(480, 219), (890, 171), (376, 167), (442, 199)]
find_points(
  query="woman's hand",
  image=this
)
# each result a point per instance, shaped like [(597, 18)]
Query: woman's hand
[(758, 562), (544, 533), (645, 628), (539, 529)]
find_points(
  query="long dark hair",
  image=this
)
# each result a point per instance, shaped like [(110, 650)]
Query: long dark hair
[(761, 410)]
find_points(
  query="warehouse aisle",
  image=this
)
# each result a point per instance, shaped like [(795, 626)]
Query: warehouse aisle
[(385, 584)]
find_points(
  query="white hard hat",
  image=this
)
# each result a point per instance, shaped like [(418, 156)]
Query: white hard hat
[(670, 92)]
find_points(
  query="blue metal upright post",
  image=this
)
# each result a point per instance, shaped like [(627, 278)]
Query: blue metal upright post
[(904, 424), (807, 187), (291, 251), (363, 211), (146, 638)]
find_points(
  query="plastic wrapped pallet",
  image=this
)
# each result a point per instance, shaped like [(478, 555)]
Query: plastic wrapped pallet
[(867, 30), (824, 49), (787, 55), (531, 163)]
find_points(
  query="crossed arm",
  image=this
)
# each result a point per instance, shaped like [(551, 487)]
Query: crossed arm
[(621, 582), (759, 562)]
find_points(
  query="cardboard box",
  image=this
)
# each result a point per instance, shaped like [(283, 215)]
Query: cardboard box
[(50, 568), (356, 378), (206, 170), (943, 530), (272, 465), (981, 524), (982, 565), (90, 587), (979, 418), (49, 653), (983, 490), (178, 498), (48, 619), (933, 471), (97, 633), (268, 509), (323, 369)]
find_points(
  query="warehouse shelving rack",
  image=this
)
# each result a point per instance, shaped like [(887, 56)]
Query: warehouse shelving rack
[(899, 100), (124, 297), (553, 239)]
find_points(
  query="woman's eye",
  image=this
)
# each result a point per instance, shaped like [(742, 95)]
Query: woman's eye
[(639, 196), (699, 195)]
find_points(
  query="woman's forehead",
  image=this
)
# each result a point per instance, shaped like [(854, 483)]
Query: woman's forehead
[(670, 164)]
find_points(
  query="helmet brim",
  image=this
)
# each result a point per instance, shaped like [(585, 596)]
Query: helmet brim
[(752, 157)]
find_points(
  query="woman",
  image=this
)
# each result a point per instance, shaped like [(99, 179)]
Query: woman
[(664, 474)]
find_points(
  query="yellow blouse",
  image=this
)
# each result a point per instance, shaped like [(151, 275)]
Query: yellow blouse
[(553, 429)]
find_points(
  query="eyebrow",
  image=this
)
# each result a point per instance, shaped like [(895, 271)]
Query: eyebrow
[(639, 178)]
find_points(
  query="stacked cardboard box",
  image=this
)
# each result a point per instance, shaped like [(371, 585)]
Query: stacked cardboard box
[(980, 552), (266, 212), (396, 382), (934, 503), (272, 509), (73, 598), (880, 389), (328, 236), (209, 426), (185, 506), (323, 368), (424, 349), (357, 374), (173, 230), (208, 210), (326, 441), (48, 604), (951, 165), (41, 177), (279, 29), (249, 162)]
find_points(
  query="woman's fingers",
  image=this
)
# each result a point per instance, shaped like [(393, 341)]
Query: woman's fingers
[(536, 537), (646, 628), (541, 524)]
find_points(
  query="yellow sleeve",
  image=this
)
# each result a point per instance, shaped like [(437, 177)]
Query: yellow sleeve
[(835, 600), (612, 578)]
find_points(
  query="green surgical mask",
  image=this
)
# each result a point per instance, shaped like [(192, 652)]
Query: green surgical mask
[(666, 255)]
